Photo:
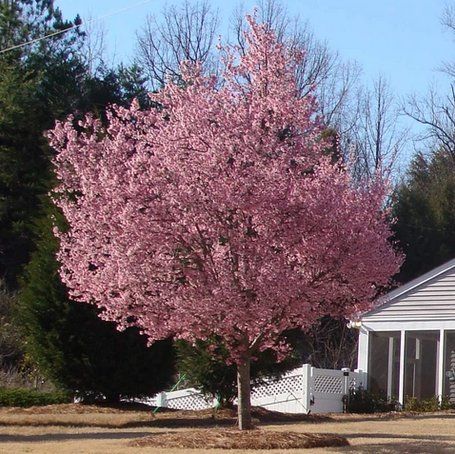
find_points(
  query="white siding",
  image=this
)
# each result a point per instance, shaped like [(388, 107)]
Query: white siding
[(434, 299)]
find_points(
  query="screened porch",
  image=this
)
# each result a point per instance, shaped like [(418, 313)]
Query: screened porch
[(407, 342), (418, 364)]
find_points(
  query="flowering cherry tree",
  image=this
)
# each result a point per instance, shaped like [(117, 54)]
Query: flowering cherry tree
[(218, 212)]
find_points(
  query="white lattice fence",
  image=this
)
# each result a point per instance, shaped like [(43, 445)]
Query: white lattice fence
[(285, 394), (284, 385), (328, 384), (300, 391), (188, 400), (185, 399)]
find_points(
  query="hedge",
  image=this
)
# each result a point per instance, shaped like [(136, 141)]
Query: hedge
[(20, 397)]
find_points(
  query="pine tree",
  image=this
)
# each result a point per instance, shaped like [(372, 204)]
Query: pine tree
[(425, 212), (38, 83), (41, 83), (204, 366), (77, 350)]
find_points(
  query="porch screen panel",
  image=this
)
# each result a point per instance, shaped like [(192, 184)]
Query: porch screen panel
[(449, 366), (421, 361), (384, 363)]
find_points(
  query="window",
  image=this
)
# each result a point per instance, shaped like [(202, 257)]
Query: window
[(449, 366)]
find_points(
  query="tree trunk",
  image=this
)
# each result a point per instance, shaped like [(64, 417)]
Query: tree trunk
[(244, 395)]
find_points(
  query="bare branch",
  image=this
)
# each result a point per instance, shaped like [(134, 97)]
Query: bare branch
[(94, 46), (185, 33), (437, 114), (378, 137), (448, 21)]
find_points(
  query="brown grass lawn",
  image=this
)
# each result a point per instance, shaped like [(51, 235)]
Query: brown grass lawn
[(83, 429)]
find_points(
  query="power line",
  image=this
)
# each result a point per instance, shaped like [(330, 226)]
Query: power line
[(74, 27)]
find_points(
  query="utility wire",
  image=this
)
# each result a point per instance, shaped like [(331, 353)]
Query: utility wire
[(74, 27)]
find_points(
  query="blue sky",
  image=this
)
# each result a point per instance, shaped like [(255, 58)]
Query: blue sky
[(400, 39)]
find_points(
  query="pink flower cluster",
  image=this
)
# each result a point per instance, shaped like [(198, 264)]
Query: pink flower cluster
[(218, 212)]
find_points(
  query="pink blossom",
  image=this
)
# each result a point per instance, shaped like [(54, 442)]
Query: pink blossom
[(218, 212)]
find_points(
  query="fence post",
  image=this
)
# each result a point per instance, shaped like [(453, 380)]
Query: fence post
[(161, 400), (346, 371), (306, 376)]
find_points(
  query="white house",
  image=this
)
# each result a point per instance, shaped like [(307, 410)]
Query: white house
[(407, 343)]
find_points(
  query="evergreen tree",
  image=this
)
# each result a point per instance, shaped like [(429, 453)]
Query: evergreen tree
[(204, 366), (425, 211), (38, 83), (77, 350), (11, 342)]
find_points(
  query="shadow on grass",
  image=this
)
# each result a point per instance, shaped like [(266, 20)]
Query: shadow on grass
[(427, 447), (208, 419), (357, 417), (50, 437), (399, 443), (379, 435), (180, 421), (171, 423)]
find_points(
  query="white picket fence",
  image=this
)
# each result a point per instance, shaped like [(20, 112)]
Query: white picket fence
[(300, 391)]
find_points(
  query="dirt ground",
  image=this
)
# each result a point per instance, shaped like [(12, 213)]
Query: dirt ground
[(67, 430)]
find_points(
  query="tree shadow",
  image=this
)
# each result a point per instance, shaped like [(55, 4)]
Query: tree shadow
[(182, 423), (389, 417), (429, 438), (400, 443), (164, 423), (427, 447), (74, 436)]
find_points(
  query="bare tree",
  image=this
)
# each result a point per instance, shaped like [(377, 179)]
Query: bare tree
[(330, 344), (185, 33), (435, 112), (269, 12), (448, 21), (379, 137), (94, 45), (365, 121), (448, 17), (188, 33), (318, 64)]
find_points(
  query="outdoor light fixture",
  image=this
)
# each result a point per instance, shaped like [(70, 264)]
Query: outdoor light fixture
[(354, 324)]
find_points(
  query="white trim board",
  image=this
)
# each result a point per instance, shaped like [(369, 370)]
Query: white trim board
[(398, 325)]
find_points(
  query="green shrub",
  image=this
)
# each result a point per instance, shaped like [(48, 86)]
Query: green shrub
[(70, 344), (19, 397), (446, 404), (363, 401), (204, 366), (427, 405)]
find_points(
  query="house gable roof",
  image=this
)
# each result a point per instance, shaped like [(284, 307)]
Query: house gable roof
[(391, 297)]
